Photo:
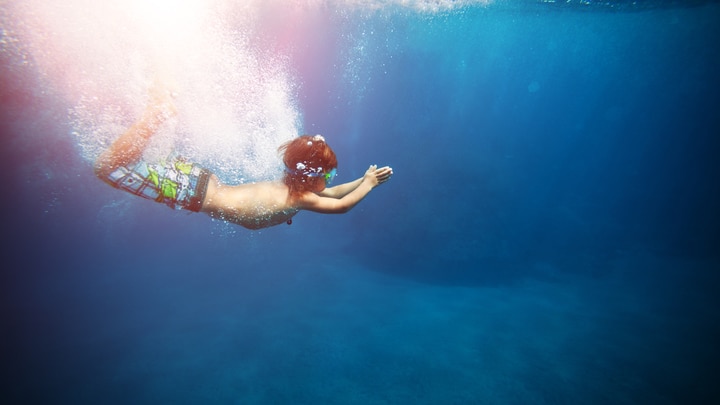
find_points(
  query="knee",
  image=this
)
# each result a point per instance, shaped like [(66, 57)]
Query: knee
[(101, 169)]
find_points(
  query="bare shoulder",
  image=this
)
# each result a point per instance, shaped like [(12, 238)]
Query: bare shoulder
[(307, 199)]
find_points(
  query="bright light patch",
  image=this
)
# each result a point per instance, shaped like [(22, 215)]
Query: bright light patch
[(236, 97)]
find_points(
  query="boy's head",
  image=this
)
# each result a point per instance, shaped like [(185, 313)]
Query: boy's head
[(310, 164)]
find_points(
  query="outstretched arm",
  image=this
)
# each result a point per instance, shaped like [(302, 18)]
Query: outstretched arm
[(355, 192), (341, 190), (128, 148)]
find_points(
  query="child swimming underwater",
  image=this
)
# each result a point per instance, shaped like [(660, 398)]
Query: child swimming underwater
[(310, 166)]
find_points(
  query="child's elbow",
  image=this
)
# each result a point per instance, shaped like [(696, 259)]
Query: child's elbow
[(337, 207), (343, 210), (344, 207)]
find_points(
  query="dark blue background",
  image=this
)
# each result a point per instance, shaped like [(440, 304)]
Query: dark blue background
[(551, 234)]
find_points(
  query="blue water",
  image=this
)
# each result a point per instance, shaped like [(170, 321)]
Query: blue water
[(551, 234)]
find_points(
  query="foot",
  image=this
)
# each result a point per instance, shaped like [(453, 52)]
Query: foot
[(161, 105)]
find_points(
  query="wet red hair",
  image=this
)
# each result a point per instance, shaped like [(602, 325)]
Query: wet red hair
[(312, 153)]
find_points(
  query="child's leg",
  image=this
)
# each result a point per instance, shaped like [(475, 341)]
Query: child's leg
[(128, 148)]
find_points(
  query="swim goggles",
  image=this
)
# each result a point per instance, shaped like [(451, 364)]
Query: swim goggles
[(329, 176), (313, 172)]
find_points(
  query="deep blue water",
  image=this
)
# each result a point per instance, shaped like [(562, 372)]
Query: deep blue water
[(551, 233)]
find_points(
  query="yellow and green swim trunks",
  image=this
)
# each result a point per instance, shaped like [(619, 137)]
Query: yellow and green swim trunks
[(175, 182)]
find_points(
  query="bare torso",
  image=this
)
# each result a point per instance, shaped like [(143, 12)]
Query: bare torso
[(253, 205)]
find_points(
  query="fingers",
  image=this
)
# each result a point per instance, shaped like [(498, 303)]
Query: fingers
[(384, 174)]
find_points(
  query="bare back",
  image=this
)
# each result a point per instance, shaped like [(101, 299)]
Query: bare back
[(253, 205)]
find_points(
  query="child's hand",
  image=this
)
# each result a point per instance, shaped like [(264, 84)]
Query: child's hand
[(378, 176)]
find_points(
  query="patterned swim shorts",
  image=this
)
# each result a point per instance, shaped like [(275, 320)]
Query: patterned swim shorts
[(175, 183)]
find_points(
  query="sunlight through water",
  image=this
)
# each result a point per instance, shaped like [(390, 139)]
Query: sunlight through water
[(236, 100)]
